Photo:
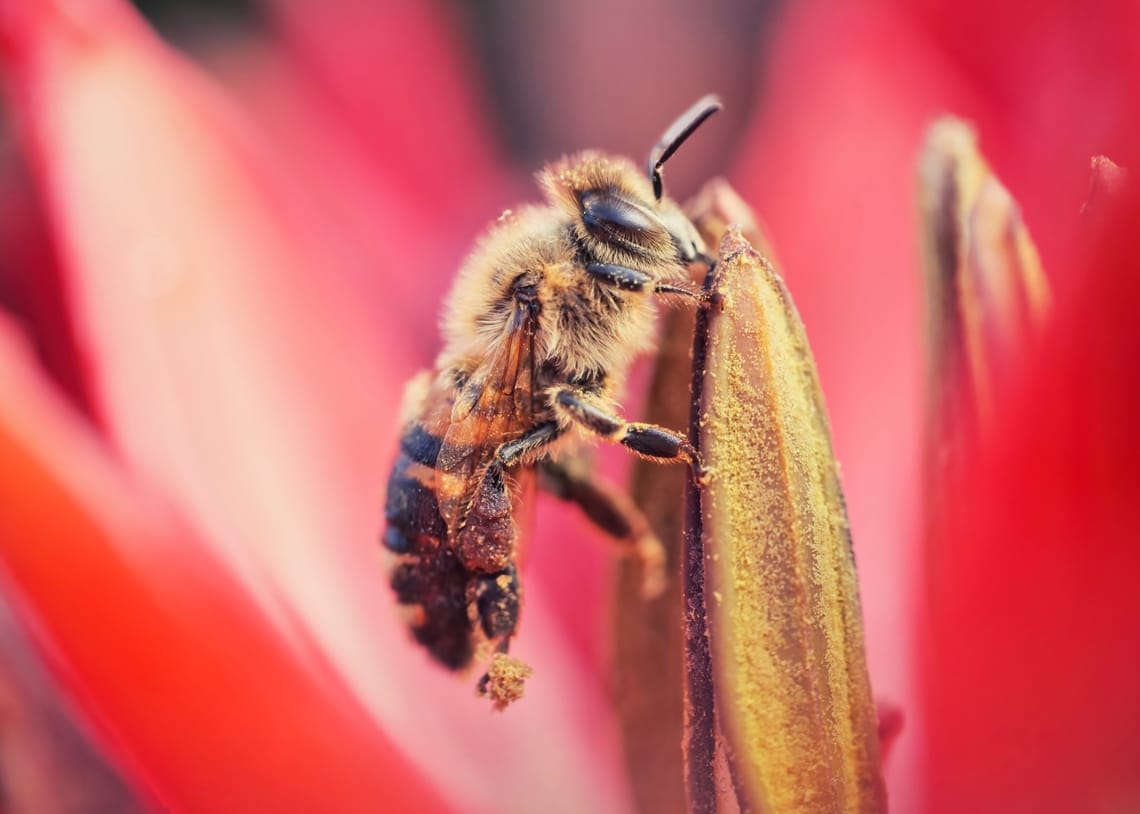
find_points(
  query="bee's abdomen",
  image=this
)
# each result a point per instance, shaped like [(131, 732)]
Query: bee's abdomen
[(412, 508), (427, 576), (435, 582)]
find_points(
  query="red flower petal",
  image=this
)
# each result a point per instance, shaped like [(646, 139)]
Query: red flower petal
[(1034, 655), (397, 75), (399, 240), (49, 761), (30, 277), (831, 171), (242, 373), (213, 706)]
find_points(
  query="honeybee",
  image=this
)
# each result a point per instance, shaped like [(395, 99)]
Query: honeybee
[(542, 323)]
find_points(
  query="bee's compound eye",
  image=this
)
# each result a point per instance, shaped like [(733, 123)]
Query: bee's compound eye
[(617, 220)]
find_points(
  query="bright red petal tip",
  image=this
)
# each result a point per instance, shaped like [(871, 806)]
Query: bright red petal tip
[(212, 705), (1033, 655)]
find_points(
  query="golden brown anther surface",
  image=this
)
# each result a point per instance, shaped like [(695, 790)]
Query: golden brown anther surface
[(791, 687)]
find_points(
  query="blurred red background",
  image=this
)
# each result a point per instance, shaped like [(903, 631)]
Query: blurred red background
[(226, 269)]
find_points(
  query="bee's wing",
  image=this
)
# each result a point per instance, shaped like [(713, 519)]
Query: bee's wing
[(495, 405)]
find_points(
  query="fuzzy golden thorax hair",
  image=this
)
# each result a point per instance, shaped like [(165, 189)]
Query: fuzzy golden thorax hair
[(586, 329), (601, 210)]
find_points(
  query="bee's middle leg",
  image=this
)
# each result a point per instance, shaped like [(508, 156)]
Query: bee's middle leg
[(648, 440), (526, 444), (611, 510)]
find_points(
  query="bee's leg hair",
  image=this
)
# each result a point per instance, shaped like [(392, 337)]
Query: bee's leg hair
[(630, 279), (529, 442), (613, 512), (497, 598), (647, 440)]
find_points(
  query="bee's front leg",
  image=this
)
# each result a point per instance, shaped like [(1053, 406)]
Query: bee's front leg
[(631, 279), (648, 440), (613, 512)]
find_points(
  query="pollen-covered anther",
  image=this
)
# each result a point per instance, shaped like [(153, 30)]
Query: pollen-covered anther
[(793, 708)]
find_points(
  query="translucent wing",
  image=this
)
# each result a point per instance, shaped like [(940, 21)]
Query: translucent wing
[(495, 405)]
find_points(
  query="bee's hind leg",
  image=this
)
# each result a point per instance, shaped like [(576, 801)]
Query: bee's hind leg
[(612, 511), (486, 542), (497, 604), (497, 600)]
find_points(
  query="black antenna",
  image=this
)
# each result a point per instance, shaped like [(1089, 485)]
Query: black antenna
[(675, 136)]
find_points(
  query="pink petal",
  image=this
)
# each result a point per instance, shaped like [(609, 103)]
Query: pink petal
[(49, 760), (30, 275), (188, 679), (1033, 653), (374, 227), (399, 77), (831, 170), (239, 371)]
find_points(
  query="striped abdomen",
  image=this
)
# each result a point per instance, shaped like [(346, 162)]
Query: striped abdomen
[(448, 596)]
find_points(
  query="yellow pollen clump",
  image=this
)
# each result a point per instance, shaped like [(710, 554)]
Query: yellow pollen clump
[(506, 677)]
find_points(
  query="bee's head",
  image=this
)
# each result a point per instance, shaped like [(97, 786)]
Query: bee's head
[(620, 215)]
